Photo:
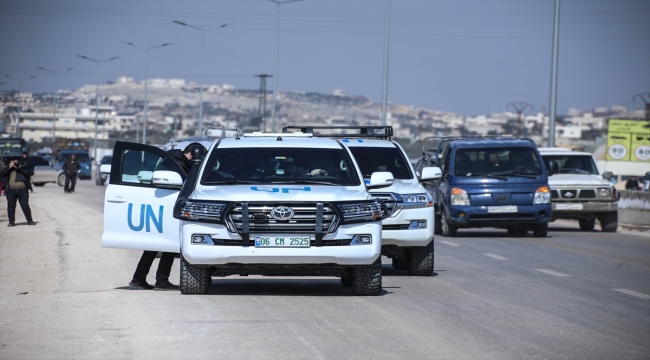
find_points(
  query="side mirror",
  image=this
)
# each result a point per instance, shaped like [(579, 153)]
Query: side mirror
[(608, 175), (167, 179), (105, 169), (431, 173), (381, 179)]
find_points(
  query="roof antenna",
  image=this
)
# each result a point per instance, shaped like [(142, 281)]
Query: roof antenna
[(279, 138)]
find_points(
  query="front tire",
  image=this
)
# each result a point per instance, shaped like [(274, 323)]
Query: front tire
[(448, 230), (366, 280), (420, 260), (540, 230), (609, 221), (61, 179), (587, 224), (194, 279)]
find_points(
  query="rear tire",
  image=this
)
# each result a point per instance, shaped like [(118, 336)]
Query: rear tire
[(587, 224), (540, 230), (420, 260), (366, 280), (609, 221), (448, 230), (194, 279), (39, 184), (401, 262)]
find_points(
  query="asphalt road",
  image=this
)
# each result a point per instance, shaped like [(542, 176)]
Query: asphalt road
[(569, 295)]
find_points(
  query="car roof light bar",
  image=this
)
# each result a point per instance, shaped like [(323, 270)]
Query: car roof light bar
[(377, 132)]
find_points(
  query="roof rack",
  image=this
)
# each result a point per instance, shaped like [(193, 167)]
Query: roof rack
[(377, 132), (275, 135)]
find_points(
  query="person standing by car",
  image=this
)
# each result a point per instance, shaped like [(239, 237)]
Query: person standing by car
[(71, 166), (632, 184), (139, 281), (17, 180)]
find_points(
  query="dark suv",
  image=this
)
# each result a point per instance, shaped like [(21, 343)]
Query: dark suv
[(490, 182)]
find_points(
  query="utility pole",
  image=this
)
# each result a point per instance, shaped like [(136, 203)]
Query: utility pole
[(262, 97), (54, 150), (645, 101), (519, 107), (384, 92), (553, 107)]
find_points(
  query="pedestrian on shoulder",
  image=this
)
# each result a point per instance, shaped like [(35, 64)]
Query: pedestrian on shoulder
[(16, 180), (139, 281), (71, 167)]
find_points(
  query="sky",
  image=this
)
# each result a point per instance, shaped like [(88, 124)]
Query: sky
[(469, 57)]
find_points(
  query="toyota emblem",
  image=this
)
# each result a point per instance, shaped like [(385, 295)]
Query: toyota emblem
[(282, 213)]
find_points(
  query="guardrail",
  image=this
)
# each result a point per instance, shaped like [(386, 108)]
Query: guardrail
[(634, 209)]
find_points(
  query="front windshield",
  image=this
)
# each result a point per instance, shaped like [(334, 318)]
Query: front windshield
[(571, 164), (279, 165), (371, 159), (81, 156), (107, 160), (497, 162)]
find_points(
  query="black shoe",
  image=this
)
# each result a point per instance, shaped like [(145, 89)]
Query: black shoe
[(140, 285), (11, 224), (165, 287), (31, 223)]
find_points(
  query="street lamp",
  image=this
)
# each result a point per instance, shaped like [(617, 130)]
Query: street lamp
[(97, 96), (146, 80), (275, 62), (384, 95), (53, 110), (203, 30), (20, 91)]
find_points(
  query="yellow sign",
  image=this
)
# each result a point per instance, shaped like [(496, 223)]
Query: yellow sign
[(628, 140)]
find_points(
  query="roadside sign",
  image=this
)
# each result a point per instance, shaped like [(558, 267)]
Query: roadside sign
[(628, 140)]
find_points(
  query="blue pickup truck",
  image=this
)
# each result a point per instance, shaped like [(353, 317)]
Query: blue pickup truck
[(489, 182)]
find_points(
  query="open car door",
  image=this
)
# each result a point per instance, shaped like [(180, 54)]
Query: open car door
[(138, 215)]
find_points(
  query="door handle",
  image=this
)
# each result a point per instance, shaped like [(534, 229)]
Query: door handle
[(116, 199)]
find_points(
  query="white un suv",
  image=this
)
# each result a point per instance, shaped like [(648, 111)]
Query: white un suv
[(261, 204), (407, 232)]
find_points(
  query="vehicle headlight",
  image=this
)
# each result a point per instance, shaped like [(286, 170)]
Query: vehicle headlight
[(417, 200), (362, 211), (542, 195), (459, 197), (604, 192), (193, 210)]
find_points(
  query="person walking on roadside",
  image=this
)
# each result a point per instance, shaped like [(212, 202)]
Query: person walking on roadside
[(71, 166), (28, 168), (139, 281), (16, 179)]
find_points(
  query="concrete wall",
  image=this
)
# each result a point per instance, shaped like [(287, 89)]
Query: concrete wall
[(634, 208)]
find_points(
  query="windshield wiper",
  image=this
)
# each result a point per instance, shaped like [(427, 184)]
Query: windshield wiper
[(524, 175), (303, 182), (232, 181), (488, 175)]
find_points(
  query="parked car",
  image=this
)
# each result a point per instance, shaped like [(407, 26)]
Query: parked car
[(100, 178), (44, 171)]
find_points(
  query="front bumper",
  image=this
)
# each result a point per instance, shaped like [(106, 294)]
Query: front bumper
[(395, 229), (478, 216), (572, 210), (348, 255)]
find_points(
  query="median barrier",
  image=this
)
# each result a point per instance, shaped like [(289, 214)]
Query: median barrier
[(634, 209)]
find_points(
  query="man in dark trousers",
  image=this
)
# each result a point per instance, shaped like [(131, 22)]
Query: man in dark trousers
[(139, 281), (16, 180), (71, 166)]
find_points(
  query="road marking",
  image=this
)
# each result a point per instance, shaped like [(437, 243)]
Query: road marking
[(495, 256), (551, 272), (450, 243), (633, 293)]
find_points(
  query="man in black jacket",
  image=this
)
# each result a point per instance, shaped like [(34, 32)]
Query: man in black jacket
[(139, 281), (16, 180), (71, 166)]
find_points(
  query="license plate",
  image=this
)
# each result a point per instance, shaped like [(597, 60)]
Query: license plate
[(502, 209), (282, 241), (568, 206)]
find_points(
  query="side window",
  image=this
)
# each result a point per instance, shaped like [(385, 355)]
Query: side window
[(138, 166), (445, 163)]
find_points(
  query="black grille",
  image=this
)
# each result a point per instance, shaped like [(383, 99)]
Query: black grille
[(229, 242), (395, 227), (554, 194), (304, 220), (587, 194)]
